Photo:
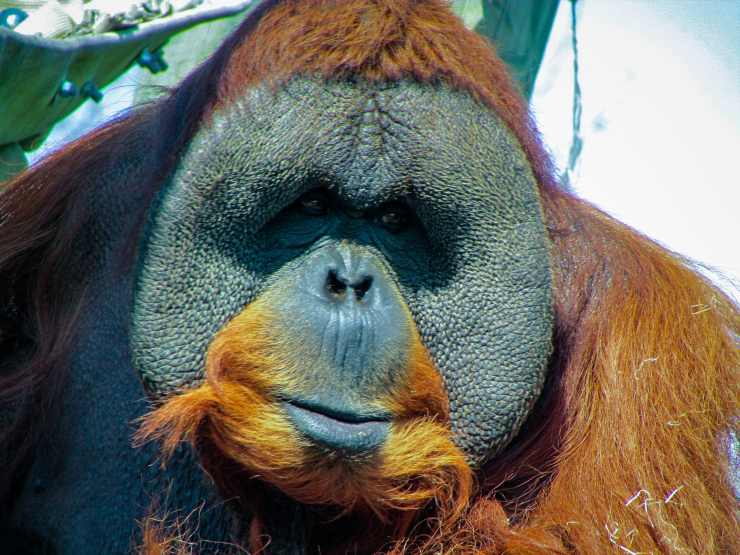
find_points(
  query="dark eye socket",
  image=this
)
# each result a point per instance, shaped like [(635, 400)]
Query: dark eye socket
[(394, 217), (315, 203)]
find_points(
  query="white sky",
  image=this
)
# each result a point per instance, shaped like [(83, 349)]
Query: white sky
[(660, 81)]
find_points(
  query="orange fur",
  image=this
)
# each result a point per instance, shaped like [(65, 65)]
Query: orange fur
[(235, 417), (650, 390), (157, 538)]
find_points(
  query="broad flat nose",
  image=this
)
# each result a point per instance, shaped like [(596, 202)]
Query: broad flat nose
[(346, 278), (346, 316)]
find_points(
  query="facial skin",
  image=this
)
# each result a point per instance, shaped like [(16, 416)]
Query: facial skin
[(412, 194)]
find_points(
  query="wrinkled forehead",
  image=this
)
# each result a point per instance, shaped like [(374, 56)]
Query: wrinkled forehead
[(370, 142)]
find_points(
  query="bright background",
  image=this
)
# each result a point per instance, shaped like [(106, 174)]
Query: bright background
[(660, 84), (661, 118)]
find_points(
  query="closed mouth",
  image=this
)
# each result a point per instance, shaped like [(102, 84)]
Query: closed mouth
[(337, 429)]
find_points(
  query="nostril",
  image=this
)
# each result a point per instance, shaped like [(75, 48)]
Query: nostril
[(362, 287), (335, 285)]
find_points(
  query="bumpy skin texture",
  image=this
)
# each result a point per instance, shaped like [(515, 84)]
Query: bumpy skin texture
[(474, 268)]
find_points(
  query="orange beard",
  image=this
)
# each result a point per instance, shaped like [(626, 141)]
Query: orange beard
[(236, 421)]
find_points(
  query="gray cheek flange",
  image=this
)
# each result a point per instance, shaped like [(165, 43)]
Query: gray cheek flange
[(481, 298)]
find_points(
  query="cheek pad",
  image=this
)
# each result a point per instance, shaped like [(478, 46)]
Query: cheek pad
[(491, 342), (203, 257), (488, 322)]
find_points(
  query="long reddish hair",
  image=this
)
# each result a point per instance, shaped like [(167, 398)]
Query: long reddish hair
[(626, 451)]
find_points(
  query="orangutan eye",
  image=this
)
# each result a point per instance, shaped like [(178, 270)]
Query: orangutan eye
[(394, 217), (314, 203)]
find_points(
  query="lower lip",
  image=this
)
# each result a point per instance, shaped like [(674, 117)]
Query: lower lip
[(348, 437)]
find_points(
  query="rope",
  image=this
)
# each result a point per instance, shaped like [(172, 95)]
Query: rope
[(576, 145)]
